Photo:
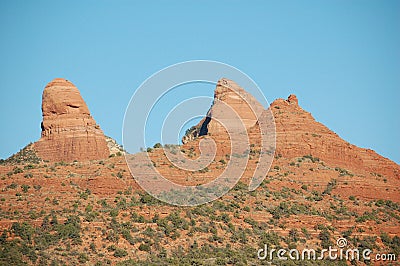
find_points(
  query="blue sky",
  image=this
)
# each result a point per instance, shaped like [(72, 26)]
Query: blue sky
[(341, 58)]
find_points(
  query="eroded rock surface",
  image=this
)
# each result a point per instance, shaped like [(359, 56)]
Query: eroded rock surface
[(69, 132)]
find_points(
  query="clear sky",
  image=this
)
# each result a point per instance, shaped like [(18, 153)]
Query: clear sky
[(341, 58)]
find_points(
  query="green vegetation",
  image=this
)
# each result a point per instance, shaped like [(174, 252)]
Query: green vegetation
[(131, 227), (157, 146), (329, 187), (25, 188), (119, 253), (343, 172), (315, 196), (32, 239), (393, 243), (325, 238), (25, 156), (311, 158)]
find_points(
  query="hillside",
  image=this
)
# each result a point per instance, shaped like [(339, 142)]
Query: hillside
[(92, 212)]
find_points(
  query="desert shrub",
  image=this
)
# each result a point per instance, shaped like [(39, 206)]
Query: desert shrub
[(119, 253), (280, 211), (17, 170), (84, 194), (113, 235), (149, 232), (271, 239), (388, 204), (392, 243), (82, 258), (137, 218), (325, 238), (44, 239), (23, 230), (204, 170), (114, 212), (90, 216), (12, 186), (306, 233), (93, 247), (127, 235), (329, 187), (28, 175), (239, 235), (25, 188), (157, 146), (120, 174), (177, 221), (311, 158), (367, 242), (144, 247), (367, 216), (293, 235), (315, 196), (11, 253), (147, 199), (71, 229), (225, 218), (343, 172)]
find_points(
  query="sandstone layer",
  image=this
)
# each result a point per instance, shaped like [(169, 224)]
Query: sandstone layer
[(227, 94), (297, 132), (69, 132)]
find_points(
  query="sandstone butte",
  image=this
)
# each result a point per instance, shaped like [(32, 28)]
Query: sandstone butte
[(297, 133), (69, 132), (318, 183)]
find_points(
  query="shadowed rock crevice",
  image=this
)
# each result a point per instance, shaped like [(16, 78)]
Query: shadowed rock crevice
[(204, 127)]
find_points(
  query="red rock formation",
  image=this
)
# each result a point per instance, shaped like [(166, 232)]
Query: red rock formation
[(68, 130), (298, 134), (227, 93)]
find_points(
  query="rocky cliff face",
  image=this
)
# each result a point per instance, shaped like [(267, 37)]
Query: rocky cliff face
[(69, 132), (227, 93), (297, 133)]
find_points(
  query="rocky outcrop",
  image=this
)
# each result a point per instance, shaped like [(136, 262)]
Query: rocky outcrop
[(298, 134), (230, 95), (114, 147), (69, 132)]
